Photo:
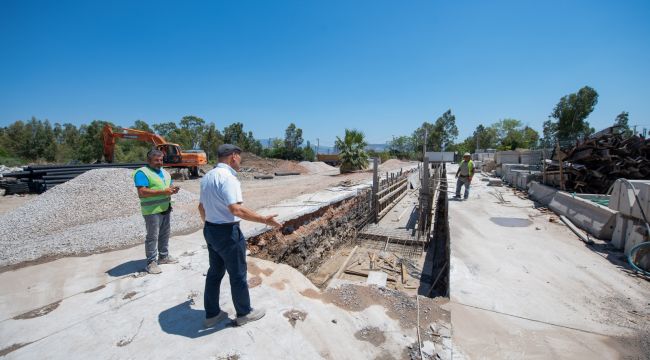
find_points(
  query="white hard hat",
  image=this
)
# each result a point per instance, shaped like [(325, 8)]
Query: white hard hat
[(467, 154)]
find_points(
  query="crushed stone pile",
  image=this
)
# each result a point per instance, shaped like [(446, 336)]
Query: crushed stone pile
[(96, 211), (316, 167)]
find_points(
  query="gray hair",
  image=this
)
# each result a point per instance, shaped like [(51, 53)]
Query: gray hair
[(154, 152)]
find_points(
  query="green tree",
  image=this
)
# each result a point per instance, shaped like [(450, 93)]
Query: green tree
[(292, 141), (142, 125), (445, 131), (351, 151), (572, 111), (194, 127), (165, 129), (402, 147), (487, 137), (211, 140), (308, 152), (91, 148), (622, 120)]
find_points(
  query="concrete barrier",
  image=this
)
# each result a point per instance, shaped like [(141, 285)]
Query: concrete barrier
[(596, 219), (541, 193)]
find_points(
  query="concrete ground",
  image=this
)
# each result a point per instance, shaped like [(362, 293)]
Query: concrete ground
[(102, 307), (522, 285)]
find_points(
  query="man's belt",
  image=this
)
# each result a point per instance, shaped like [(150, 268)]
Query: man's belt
[(222, 224)]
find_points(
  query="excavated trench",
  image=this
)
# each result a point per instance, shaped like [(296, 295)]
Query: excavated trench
[(306, 242), (309, 241)]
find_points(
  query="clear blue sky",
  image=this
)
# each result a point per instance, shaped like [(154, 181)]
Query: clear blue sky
[(382, 67)]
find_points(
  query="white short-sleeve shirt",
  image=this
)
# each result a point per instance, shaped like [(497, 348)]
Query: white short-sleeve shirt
[(220, 188)]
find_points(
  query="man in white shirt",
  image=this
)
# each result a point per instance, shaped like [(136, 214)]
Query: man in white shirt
[(221, 209)]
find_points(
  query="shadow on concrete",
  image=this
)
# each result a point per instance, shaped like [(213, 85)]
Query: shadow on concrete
[(182, 320), (129, 267)]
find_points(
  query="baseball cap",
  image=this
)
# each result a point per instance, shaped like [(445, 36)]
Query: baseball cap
[(227, 149)]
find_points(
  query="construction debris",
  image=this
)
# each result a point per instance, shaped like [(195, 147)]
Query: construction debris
[(594, 164)]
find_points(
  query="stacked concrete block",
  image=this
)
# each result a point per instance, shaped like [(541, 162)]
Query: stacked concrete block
[(507, 157), (524, 178), (531, 157)]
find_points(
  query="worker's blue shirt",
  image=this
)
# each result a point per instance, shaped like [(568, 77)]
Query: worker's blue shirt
[(220, 188), (142, 180)]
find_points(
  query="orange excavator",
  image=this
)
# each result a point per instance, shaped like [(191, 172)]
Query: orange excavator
[(174, 156)]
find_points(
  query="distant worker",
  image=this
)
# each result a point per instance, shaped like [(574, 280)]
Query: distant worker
[(464, 175), (155, 191), (220, 206)]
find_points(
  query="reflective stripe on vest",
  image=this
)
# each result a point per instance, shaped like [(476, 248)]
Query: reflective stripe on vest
[(159, 203)]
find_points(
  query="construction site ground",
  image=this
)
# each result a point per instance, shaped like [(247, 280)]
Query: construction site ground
[(522, 285), (104, 306)]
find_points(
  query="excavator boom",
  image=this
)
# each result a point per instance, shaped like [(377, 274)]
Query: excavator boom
[(174, 156)]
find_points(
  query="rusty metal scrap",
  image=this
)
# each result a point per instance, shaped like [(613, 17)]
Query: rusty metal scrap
[(592, 165)]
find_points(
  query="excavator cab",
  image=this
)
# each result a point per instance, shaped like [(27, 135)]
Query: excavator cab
[(172, 153)]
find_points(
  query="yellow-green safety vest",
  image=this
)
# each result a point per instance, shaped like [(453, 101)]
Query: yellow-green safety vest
[(159, 203)]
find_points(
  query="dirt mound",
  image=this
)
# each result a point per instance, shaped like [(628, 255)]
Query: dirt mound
[(256, 164), (316, 167), (393, 164)]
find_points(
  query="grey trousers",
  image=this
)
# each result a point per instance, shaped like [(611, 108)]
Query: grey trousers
[(459, 183), (158, 229)]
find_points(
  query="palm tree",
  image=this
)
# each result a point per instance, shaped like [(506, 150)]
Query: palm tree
[(351, 151)]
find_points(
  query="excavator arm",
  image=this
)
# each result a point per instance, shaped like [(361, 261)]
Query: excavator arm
[(109, 137)]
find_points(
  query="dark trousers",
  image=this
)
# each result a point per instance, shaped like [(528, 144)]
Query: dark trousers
[(227, 250)]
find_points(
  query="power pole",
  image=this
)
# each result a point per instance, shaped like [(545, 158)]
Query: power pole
[(424, 145)]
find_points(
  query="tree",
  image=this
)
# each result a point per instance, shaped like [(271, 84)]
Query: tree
[(142, 125), (440, 134), (571, 113), (91, 146), (292, 141), (402, 147), (194, 126), (165, 129), (550, 134), (445, 131), (487, 137), (622, 120), (211, 140), (308, 153), (351, 151)]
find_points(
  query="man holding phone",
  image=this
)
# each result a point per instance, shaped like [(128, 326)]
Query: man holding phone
[(155, 189)]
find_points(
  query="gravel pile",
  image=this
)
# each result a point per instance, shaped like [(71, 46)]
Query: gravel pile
[(316, 167), (95, 211)]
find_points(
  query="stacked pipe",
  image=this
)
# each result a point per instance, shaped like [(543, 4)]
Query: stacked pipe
[(40, 178)]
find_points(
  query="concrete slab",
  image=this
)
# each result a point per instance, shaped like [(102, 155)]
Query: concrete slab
[(524, 287)]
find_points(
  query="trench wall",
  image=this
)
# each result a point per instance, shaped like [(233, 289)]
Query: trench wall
[(307, 241)]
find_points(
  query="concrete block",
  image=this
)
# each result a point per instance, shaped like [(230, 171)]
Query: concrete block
[(620, 232), (530, 157), (507, 157), (495, 182), (635, 234), (596, 219), (541, 193), (623, 198)]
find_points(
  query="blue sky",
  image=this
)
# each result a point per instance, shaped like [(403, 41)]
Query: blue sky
[(382, 67)]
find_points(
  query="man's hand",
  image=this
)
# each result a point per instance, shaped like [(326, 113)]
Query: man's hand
[(270, 221), (470, 179), (175, 189)]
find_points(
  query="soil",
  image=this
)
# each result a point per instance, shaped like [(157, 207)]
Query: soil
[(294, 316), (373, 335), (398, 305), (38, 312)]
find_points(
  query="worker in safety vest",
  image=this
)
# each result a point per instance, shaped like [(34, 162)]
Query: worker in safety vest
[(464, 175), (155, 189)]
